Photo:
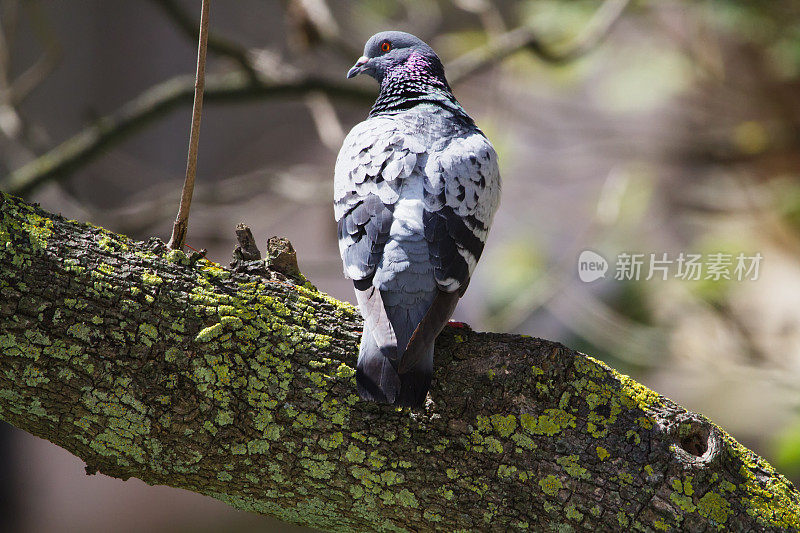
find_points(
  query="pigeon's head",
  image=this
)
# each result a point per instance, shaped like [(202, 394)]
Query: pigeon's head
[(388, 50)]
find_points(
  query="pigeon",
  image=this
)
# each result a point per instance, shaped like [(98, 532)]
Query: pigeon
[(416, 186)]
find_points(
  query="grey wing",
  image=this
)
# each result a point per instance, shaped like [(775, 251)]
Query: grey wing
[(373, 161), (462, 192)]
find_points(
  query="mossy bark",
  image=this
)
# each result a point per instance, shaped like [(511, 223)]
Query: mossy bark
[(176, 371)]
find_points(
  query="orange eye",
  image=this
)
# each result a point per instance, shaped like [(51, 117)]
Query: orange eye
[(386, 46)]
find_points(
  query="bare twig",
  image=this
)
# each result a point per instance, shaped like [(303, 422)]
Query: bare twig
[(311, 23), (32, 77), (216, 43), (16, 130), (157, 102), (182, 221), (329, 128), (523, 38), (161, 99)]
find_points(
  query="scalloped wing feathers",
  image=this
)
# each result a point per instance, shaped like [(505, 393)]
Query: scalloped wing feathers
[(414, 196)]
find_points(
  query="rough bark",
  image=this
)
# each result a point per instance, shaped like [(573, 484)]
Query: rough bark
[(176, 371)]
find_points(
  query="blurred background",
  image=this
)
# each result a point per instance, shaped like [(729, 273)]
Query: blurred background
[(643, 126)]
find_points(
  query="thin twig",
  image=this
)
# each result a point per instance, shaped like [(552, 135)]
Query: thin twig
[(216, 43), (522, 38), (323, 113), (157, 102), (33, 76), (163, 98), (182, 221), (310, 23)]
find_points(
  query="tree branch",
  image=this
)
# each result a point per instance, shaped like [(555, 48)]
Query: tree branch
[(216, 43), (179, 372), (163, 98), (524, 38), (157, 102)]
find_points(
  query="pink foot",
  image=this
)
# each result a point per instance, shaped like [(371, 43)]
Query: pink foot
[(459, 325)]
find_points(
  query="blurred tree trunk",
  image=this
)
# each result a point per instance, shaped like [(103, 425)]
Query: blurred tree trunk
[(147, 363)]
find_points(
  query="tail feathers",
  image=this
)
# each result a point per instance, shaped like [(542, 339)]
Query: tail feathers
[(377, 378), (415, 383), (395, 362), (421, 342)]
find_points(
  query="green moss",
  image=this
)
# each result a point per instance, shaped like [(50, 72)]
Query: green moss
[(551, 423), (39, 230), (177, 257), (172, 354), (682, 501), (355, 454), (573, 514), (550, 485), (7, 341), (407, 499), (523, 441), (593, 400), (571, 466), (376, 460), (391, 477), (504, 425), (209, 333), (109, 244), (304, 420), (224, 418), (624, 478), (81, 331), (506, 471), (714, 507), (493, 445), (147, 334), (632, 434), (687, 486), (345, 372), (106, 269), (602, 453), (772, 502), (643, 397), (431, 516), (151, 279), (446, 493), (231, 322), (33, 377), (332, 442), (483, 424)]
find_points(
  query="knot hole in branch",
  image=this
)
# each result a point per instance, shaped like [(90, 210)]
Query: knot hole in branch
[(697, 441)]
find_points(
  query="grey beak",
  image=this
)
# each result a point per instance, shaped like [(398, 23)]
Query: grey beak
[(358, 68)]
